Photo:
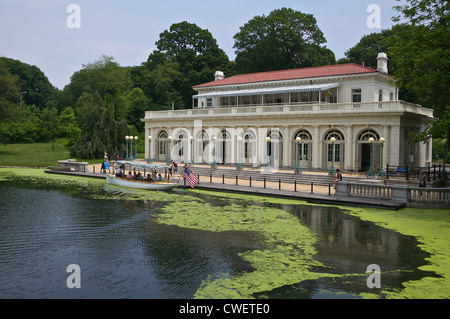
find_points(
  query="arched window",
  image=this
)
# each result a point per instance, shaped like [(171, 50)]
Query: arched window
[(366, 134)]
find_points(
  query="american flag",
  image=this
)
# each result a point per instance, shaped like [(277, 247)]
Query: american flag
[(191, 178)]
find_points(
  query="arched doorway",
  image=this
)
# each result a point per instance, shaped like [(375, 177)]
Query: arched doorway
[(249, 151), (201, 144), (304, 149), (275, 148), (163, 148), (338, 149), (363, 151), (223, 151), (180, 147)]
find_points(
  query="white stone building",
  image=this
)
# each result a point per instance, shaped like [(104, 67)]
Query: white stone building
[(232, 118)]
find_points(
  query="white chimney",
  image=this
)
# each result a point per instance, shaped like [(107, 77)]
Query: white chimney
[(382, 62), (219, 76)]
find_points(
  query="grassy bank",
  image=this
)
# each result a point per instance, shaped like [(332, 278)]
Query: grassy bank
[(38, 155), (32, 155)]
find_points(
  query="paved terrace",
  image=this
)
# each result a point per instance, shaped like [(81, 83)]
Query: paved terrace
[(309, 186)]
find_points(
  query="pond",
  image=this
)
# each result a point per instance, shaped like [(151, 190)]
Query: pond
[(201, 244)]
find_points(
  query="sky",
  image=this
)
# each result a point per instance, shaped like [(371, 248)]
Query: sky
[(59, 40)]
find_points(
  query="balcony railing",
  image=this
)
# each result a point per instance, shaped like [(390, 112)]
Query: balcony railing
[(283, 109)]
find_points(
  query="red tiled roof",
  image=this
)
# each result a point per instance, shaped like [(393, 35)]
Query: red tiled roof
[(313, 72)]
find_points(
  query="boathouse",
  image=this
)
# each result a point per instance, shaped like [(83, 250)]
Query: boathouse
[(313, 117)]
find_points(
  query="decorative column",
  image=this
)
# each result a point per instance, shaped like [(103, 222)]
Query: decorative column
[(149, 159), (214, 164), (191, 139), (370, 173), (239, 162), (381, 172), (169, 139), (268, 153)]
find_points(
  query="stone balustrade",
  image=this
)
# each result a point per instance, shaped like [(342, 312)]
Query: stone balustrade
[(411, 196), (251, 110)]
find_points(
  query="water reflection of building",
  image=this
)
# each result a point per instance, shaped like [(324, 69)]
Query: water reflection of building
[(347, 242), (350, 103)]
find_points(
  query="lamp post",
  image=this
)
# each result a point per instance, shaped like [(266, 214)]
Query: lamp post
[(444, 172), (332, 170), (127, 138), (135, 150), (298, 169), (130, 157), (239, 163), (370, 173), (149, 159), (169, 159), (268, 153), (214, 164), (381, 172), (191, 138)]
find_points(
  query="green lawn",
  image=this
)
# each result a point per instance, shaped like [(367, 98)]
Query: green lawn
[(32, 155), (38, 155)]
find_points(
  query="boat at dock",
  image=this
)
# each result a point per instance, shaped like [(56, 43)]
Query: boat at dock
[(141, 184), (110, 179)]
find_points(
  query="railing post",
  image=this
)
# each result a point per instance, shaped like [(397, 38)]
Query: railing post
[(407, 173), (264, 182), (236, 180), (250, 181), (387, 171), (295, 186), (210, 177), (312, 187), (223, 178)]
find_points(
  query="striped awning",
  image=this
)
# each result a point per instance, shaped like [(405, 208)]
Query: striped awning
[(143, 165), (274, 90)]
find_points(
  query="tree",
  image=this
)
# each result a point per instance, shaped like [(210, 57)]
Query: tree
[(422, 58), (100, 129), (49, 124), (68, 127), (189, 55), (282, 40), (367, 49), (104, 77), (35, 86), (9, 94)]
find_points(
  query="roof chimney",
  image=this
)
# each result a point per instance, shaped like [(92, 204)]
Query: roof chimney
[(219, 76), (382, 62)]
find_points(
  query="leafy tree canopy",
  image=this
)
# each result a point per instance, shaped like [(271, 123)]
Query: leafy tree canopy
[(186, 55), (35, 86), (422, 58), (282, 40)]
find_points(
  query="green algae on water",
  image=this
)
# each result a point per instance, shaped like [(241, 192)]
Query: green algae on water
[(287, 259), (431, 227)]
